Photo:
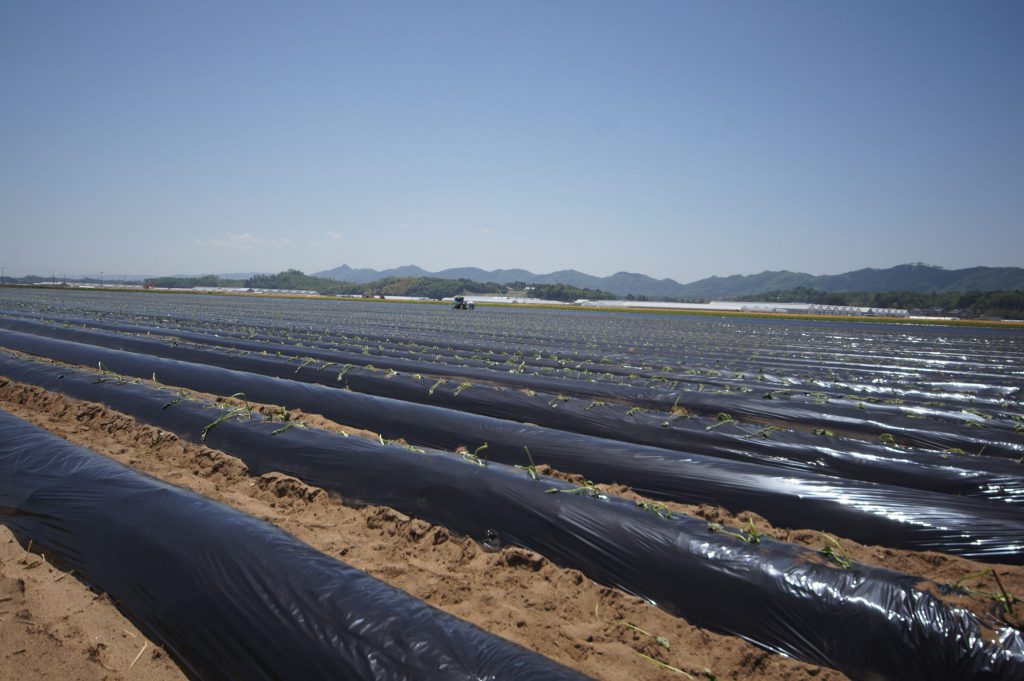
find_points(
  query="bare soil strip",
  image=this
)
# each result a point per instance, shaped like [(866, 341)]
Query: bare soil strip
[(53, 627), (514, 593)]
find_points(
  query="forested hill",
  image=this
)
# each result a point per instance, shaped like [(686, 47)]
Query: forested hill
[(915, 278), (425, 287)]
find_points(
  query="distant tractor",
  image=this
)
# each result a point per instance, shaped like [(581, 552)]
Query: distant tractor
[(462, 304)]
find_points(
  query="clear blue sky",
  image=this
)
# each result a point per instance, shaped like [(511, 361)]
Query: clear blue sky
[(678, 139)]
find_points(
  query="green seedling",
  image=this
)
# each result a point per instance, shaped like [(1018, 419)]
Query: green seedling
[(306, 363), (462, 386), (635, 410), (658, 509), (434, 387), (475, 456), (959, 584), (236, 412), (182, 396), (722, 418), (279, 414), (240, 396), (344, 370), (595, 403), (674, 416), (765, 432), (748, 534), (531, 470), (556, 399), (586, 490), (835, 552), (889, 439), (288, 426), (328, 365), (1002, 597), (823, 432)]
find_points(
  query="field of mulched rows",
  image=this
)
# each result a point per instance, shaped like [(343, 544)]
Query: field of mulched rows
[(290, 488)]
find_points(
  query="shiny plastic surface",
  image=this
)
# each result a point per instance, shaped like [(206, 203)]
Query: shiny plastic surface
[(866, 512), (229, 596), (870, 623)]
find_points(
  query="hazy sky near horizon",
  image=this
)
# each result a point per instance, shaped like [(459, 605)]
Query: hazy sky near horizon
[(674, 138)]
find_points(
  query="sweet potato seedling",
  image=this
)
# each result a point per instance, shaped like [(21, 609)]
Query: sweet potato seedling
[(475, 457), (531, 470), (835, 552)]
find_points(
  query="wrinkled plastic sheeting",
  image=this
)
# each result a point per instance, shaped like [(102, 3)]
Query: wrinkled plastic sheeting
[(589, 359), (842, 415), (985, 477), (229, 596), (869, 513), (867, 622)]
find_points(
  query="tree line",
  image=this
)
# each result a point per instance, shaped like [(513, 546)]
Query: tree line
[(418, 287), (1005, 304)]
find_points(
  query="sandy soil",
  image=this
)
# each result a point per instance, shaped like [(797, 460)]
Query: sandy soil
[(515, 593), (53, 627)]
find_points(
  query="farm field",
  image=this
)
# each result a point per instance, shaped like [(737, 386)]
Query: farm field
[(619, 495)]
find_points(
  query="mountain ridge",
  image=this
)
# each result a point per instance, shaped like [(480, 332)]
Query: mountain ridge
[(914, 277)]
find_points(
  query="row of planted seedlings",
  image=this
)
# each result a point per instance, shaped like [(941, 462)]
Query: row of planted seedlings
[(970, 418), (950, 471), (818, 450), (904, 407), (968, 412), (260, 606), (287, 311), (886, 419), (869, 512), (711, 371), (709, 352), (817, 606), (598, 368)]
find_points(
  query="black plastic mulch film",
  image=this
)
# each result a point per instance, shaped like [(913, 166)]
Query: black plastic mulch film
[(870, 513), (868, 622), (985, 477), (841, 416), (229, 596)]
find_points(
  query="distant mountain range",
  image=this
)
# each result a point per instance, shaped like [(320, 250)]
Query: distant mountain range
[(918, 277)]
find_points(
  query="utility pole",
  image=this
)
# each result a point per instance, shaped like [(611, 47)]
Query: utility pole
[(101, 279)]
